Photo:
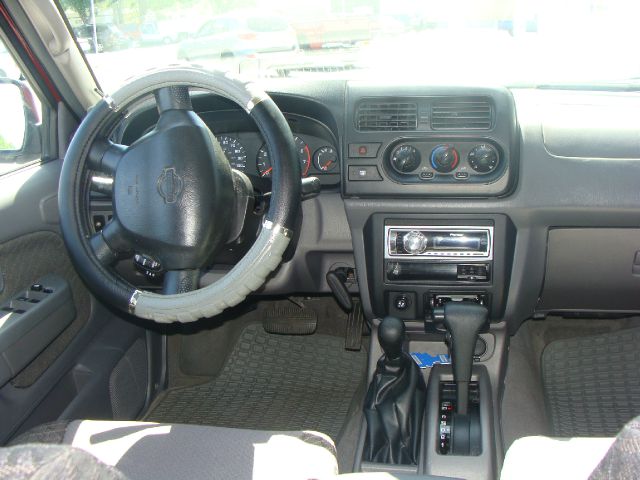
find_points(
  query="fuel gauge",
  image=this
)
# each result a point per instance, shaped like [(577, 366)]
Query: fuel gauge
[(325, 159)]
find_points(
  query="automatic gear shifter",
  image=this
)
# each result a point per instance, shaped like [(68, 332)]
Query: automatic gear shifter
[(395, 401), (464, 320)]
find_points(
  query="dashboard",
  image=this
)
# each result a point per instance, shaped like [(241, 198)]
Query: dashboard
[(243, 144), (542, 185), (446, 141)]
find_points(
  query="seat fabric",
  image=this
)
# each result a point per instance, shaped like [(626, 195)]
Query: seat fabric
[(43, 462), (622, 461), (156, 451), (577, 458), (549, 458)]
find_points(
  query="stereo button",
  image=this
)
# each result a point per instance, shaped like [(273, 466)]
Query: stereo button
[(414, 242)]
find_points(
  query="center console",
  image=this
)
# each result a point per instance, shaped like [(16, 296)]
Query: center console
[(418, 267), (452, 442), (444, 275), (415, 263)]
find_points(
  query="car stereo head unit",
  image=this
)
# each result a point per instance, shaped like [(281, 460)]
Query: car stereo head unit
[(443, 242)]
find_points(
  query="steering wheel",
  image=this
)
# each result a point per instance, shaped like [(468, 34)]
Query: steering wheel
[(175, 197)]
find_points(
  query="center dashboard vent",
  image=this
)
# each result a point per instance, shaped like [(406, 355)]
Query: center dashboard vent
[(373, 116), (462, 113)]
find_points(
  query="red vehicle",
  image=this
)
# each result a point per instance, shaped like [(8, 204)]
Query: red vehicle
[(319, 32)]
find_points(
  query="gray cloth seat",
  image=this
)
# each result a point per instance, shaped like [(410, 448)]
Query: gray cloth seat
[(578, 458), (40, 462), (538, 457), (154, 451), (110, 450)]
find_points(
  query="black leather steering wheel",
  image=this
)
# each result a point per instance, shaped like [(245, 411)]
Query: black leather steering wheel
[(175, 196)]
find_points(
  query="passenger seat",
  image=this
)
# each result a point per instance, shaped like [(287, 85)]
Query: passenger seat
[(577, 458)]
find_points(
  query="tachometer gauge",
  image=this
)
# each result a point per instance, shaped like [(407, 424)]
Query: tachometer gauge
[(304, 155), (263, 162), (234, 151)]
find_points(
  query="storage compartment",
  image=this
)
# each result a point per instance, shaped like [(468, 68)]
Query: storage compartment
[(592, 269)]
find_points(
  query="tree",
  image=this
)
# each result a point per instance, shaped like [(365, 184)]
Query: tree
[(5, 145), (223, 6), (81, 7)]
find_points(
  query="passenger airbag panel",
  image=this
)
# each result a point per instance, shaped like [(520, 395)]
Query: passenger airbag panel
[(610, 131)]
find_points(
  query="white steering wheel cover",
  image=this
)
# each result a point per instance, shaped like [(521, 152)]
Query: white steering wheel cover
[(266, 253)]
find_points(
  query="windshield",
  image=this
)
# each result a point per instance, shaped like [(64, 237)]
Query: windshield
[(508, 42)]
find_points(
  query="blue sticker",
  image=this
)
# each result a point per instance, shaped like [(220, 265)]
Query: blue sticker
[(426, 360)]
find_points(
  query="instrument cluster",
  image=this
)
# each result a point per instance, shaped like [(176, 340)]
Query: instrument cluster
[(247, 152)]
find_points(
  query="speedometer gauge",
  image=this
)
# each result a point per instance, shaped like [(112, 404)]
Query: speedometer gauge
[(263, 161), (234, 151)]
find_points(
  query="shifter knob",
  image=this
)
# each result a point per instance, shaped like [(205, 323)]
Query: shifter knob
[(464, 321), (391, 337)]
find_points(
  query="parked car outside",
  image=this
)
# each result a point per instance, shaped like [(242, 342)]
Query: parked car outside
[(147, 34), (109, 37), (324, 31), (240, 34)]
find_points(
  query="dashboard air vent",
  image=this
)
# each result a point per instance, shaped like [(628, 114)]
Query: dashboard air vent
[(387, 116), (461, 113)]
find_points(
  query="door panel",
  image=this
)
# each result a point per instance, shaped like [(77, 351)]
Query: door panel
[(26, 259), (89, 368), (89, 362)]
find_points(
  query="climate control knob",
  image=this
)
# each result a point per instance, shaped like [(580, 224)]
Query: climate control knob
[(414, 242), (405, 158), (444, 158), (483, 158)]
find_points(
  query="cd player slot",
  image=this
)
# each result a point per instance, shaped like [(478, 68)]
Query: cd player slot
[(399, 271), (439, 299)]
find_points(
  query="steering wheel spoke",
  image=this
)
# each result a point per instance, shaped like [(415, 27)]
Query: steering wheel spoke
[(110, 244), (105, 155), (173, 98), (180, 281)]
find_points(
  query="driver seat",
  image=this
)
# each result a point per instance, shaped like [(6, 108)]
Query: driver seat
[(156, 451)]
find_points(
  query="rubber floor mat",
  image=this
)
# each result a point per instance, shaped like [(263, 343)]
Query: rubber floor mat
[(592, 384), (273, 382)]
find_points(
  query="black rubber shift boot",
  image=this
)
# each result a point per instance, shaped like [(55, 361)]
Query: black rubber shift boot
[(394, 408)]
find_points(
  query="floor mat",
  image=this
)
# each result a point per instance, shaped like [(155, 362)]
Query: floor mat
[(592, 384), (273, 382)]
